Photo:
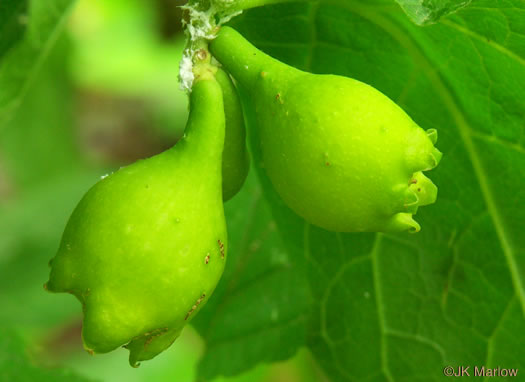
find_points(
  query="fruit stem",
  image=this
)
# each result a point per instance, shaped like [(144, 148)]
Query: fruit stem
[(203, 68), (204, 133), (245, 62)]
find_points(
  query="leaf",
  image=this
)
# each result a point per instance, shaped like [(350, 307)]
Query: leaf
[(402, 307), (19, 65), (430, 11), (262, 298), (15, 365), (12, 23)]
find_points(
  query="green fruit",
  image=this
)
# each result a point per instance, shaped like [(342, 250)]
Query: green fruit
[(235, 159), (340, 153), (146, 246)]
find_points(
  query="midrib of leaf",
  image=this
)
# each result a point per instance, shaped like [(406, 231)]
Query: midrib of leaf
[(379, 302), (313, 33), (463, 127)]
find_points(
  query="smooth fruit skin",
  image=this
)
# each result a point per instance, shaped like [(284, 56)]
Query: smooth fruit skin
[(235, 158), (340, 153), (146, 246)]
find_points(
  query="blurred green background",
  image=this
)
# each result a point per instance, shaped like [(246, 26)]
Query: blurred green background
[(106, 96)]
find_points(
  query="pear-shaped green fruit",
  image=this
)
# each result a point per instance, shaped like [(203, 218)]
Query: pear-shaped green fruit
[(235, 159), (146, 246), (340, 153)]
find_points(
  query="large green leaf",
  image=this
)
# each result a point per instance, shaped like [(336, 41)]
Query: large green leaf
[(401, 307), (18, 66)]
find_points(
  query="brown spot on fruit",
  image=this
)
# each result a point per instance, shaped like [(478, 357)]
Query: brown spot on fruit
[(202, 54), (207, 259), (197, 303), (154, 334), (148, 341), (221, 247)]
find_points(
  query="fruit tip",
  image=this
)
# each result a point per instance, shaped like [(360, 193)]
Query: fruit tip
[(403, 222), (432, 134)]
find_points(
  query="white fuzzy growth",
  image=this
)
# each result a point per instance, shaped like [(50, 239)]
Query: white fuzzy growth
[(202, 26), (186, 71)]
